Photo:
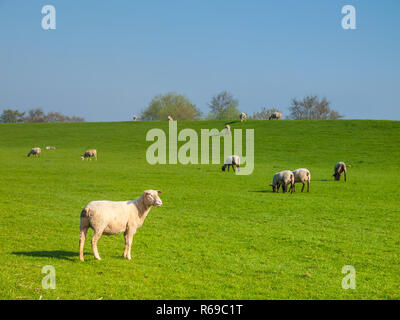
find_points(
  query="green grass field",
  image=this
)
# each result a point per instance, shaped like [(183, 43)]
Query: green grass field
[(217, 235)]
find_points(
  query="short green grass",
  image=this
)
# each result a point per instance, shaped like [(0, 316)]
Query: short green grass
[(218, 235)]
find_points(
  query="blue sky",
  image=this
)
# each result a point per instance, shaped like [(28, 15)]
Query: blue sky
[(106, 60)]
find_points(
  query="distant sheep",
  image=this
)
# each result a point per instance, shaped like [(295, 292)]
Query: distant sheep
[(114, 217), (233, 161), (228, 129), (340, 168), (135, 118), (89, 154), (170, 118), (243, 116), (50, 148), (275, 115), (302, 175), (283, 178), (35, 152)]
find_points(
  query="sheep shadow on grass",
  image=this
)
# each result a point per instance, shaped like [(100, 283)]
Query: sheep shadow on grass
[(232, 122), (59, 254), (262, 191)]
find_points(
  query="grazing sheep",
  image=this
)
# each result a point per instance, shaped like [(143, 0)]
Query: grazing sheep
[(283, 179), (340, 168), (35, 151), (170, 118), (113, 217), (242, 117), (232, 161), (275, 115), (135, 118), (302, 175), (50, 148), (89, 154)]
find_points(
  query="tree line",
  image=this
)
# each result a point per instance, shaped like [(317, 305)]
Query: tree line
[(224, 106), (36, 115)]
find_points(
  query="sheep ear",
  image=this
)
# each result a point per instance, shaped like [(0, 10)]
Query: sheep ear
[(159, 191)]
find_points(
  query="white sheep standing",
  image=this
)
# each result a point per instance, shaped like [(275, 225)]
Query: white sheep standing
[(302, 175), (35, 151), (114, 217), (242, 117), (283, 178), (340, 168), (233, 161)]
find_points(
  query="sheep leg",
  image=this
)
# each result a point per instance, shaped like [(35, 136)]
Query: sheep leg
[(96, 238), (302, 189), (345, 176), (284, 187), (82, 242), (130, 238), (233, 168), (308, 185), (126, 237)]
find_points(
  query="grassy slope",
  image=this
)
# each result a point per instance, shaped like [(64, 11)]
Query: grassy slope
[(217, 235)]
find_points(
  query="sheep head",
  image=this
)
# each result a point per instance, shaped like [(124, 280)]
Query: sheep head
[(151, 198)]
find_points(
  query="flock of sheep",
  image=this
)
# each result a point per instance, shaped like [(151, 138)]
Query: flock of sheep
[(286, 177), (114, 217), (242, 117), (89, 154)]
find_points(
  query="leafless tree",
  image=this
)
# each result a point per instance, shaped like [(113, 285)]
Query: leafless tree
[(311, 108)]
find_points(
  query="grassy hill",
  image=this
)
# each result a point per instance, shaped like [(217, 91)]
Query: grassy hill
[(218, 235)]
